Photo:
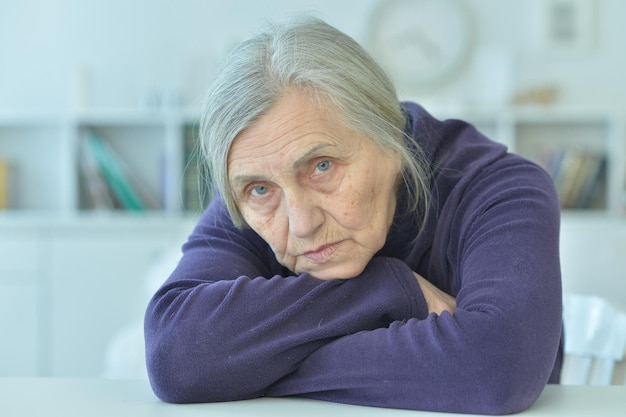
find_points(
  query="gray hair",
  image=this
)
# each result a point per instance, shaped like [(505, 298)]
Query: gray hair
[(312, 56)]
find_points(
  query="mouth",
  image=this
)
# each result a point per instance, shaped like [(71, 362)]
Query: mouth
[(322, 254)]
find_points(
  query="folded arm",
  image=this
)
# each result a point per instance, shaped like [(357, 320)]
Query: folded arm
[(493, 355), (220, 330)]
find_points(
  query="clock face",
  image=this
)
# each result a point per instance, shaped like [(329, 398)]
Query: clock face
[(421, 43)]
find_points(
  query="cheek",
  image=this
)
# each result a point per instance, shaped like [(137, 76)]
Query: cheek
[(271, 229), (355, 212), (366, 200)]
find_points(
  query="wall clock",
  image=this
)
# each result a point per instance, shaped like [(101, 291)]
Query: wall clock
[(421, 43)]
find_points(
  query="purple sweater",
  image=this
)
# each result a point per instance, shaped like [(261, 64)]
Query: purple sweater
[(231, 323)]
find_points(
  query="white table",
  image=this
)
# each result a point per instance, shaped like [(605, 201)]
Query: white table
[(51, 397)]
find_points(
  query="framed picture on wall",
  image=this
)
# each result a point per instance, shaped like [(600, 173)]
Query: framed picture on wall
[(568, 26)]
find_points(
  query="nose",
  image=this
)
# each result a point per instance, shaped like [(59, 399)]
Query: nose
[(304, 213)]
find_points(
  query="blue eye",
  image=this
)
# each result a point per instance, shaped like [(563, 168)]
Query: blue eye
[(259, 190), (324, 166)]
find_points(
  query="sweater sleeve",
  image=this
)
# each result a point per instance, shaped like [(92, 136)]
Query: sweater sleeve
[(495, 354), (226, 325)]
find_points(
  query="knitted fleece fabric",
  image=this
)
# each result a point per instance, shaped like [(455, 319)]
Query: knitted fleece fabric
[(231, 323)]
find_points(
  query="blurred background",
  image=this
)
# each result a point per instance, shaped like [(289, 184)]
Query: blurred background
[(62, 53), (99, 103), (115, 54)]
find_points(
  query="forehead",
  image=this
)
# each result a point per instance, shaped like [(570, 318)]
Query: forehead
[(290, 130)]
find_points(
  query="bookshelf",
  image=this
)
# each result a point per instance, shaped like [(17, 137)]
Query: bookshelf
[(64, 261), (33, 151), (44, 156), (584, 150)]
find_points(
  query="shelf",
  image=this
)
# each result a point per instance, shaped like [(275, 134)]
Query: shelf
[(44, 156), (33, 153), (588, 146), (16, 220), (43, 152)]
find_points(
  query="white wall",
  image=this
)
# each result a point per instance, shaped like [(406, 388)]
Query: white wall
[(130, 48), (121, 51), (597, 263)]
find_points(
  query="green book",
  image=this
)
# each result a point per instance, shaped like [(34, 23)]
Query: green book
[(113, 174)]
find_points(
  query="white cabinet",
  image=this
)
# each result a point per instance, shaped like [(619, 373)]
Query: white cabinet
[(593, 257), (19, 326), (67, 286), (98, 284), (20, 265), (72, 275)]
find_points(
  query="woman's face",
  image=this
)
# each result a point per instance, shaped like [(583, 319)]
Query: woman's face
[(323, 197)]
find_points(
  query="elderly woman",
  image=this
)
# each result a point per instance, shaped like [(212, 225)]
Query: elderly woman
[(357, 250)]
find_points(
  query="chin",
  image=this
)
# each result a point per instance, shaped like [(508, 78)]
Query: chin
[(340, 272)]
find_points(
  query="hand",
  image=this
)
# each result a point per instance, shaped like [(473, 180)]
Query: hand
[(437, 300)]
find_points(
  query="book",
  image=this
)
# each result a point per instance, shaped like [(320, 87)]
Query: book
[(145, 194), (122, 183), (196, 189), (98, 192), (5, 184), (578, 174), (569, 177), (592, 187)]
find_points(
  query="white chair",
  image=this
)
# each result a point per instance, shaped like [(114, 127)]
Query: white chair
[(595, 339), (125, 353)]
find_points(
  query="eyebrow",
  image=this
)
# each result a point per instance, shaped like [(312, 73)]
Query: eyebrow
[(239, 180), (310, 153)]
